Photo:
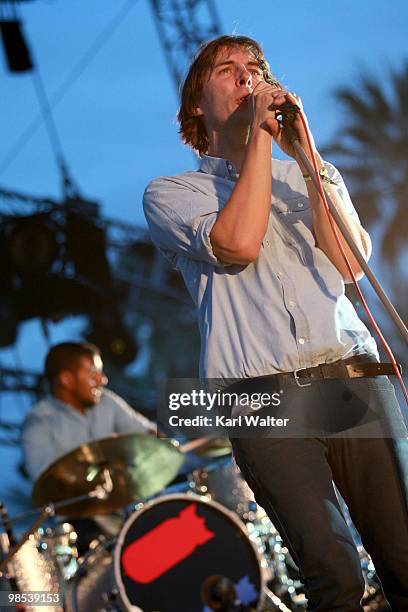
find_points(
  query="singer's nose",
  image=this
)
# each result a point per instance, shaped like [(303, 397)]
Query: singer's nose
[(245, 77)]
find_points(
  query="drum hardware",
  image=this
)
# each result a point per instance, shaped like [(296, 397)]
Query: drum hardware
[(60, 543), (373, 598), (101, 544), (221, 481), (283, 579), (273, 602), (101, 491), (30, 562), (31, 569), (109, 475), (46, 512)]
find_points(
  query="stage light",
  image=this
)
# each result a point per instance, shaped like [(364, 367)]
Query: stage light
[(15, 47), (32, 245), (8, 321), (86, 248), (54, 264), (117, 345)]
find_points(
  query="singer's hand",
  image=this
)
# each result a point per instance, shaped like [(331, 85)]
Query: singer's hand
[(281, 137), (265, 101), (297, 125)]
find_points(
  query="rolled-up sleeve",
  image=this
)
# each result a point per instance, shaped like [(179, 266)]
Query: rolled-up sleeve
[(180, 219)]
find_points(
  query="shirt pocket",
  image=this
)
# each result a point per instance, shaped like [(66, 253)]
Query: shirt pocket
[(295, 215)]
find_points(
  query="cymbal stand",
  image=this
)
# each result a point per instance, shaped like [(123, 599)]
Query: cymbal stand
[(101, 491)]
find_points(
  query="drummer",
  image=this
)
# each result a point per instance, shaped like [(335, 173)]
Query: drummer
[(79, 409)]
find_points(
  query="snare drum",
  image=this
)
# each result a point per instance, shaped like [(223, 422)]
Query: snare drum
[(35, 570)]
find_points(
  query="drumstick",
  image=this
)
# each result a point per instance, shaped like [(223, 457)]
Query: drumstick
[(194, 444)]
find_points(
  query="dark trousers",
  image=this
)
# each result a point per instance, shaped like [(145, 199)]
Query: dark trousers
[(292, 479)]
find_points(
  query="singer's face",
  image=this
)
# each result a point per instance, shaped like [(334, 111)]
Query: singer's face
[(224, 98)]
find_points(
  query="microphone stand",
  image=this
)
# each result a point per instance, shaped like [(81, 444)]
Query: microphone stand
[(288, 115)]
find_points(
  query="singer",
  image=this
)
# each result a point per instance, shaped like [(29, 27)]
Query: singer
[(253, 242)]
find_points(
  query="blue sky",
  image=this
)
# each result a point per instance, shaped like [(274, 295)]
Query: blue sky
[(117, 122)]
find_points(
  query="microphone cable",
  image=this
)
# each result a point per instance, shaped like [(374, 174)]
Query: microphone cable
[(295, 109)]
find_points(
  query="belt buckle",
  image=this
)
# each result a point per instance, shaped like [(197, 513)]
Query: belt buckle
[(297, 379)]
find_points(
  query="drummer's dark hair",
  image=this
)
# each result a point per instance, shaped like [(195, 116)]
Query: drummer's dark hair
[(66, 356)]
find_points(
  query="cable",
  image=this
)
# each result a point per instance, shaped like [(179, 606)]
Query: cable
[(72, 77), (53, 135), (337, 238)]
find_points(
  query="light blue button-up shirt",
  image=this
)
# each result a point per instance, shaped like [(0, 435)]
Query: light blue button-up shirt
[(284, 311), (53, 428)]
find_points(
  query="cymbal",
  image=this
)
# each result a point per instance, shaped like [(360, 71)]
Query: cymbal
[(138, 466)]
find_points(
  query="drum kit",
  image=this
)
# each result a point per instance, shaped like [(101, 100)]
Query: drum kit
[(198, 545)]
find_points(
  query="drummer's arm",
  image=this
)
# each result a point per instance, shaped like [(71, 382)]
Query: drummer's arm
[(37, 443), (126, 419)]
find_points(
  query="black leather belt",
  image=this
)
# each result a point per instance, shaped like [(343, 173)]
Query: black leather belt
[(355, 367), (358, 366)]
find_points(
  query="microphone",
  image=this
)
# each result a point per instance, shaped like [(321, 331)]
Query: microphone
[(286, 115), (218, 593)]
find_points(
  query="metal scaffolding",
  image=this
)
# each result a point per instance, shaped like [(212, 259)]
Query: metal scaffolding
[(182, 26)]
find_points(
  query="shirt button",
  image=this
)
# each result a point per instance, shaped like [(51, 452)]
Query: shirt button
[(229, 166), (300, 205), (292, 303), (301, 340)]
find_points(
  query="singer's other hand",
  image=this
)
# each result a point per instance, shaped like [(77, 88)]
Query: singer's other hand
[(270, 99)]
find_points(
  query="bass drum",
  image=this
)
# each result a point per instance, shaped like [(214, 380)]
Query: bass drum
[(168, 548)]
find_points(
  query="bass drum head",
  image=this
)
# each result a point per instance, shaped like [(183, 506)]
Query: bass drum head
[(166, 550)]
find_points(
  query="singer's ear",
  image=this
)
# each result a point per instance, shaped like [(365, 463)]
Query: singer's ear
[(197, 111)]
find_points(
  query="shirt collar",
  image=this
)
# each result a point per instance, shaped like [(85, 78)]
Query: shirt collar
[(219, 167), (59, 405)]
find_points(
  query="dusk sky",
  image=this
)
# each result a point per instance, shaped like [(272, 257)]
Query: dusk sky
[(116, 122)]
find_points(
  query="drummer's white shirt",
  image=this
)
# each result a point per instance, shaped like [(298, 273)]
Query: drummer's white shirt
[(54, 428)]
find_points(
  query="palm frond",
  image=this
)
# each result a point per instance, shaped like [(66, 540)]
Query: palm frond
[(395, 235)]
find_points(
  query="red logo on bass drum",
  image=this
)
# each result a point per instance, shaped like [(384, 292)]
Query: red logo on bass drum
[(166, 545)]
